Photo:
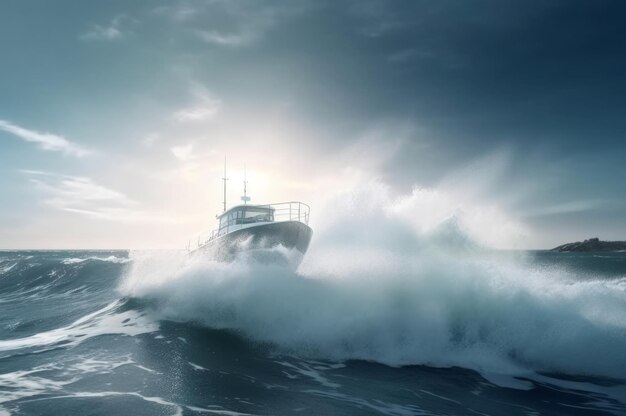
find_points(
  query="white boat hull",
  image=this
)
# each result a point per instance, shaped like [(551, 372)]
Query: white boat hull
[(267, 242)]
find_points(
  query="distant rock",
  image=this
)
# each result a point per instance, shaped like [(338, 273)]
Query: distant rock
[(593, 244)]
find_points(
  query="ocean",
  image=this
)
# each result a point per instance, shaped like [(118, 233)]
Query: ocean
[(160, 333)]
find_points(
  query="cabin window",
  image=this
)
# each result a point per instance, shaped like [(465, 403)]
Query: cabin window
[(258, 215), (247, 215)]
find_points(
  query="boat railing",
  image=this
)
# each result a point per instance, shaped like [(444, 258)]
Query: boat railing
[(281, 211)]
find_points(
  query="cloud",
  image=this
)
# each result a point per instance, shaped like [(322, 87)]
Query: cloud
[(183, 153), (178, 13), (45, 141), (226, 39), (232, 24), (205, 108), (74, 190), (110, 32), (102, 33), (376, 18), (82, 195), (198, 113)]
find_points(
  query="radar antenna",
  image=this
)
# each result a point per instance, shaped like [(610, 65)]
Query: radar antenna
[(224, 179), (245, 198)]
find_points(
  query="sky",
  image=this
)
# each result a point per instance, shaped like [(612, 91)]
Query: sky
[(116, 117)]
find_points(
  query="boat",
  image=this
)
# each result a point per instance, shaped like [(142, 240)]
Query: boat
[(269, 233)]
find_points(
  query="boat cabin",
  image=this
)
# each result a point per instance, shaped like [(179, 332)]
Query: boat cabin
[(246, 214)]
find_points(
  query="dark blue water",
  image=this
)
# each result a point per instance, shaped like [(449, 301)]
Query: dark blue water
[(108, 333)]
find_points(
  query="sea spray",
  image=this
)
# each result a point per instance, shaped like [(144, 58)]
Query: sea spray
[(383, 286)]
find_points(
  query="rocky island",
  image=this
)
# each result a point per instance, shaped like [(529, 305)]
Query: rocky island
[(592, 244)]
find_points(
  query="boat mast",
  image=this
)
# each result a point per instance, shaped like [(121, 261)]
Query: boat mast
[(224, 179), (245, 198)]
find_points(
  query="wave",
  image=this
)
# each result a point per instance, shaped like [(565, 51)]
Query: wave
[(107, 320), (377, 287), (6, 269), (109, 259)]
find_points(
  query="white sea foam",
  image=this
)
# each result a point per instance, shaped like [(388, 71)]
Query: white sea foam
[(220, 411), (6, 269), (197, 367), (379, 284), (109, 259), (176, 408), (26, 383), (379, 406), (310, 371), (52, 378), (106, 320)]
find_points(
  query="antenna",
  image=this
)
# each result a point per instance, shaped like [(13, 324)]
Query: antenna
[(245, 198), (224, 179)]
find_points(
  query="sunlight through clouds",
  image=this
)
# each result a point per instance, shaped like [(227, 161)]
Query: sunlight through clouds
[(146, 99)]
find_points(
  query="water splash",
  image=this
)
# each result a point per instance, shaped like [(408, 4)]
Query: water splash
[(385, 285)]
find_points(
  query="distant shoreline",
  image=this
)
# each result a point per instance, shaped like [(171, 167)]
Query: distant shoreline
[(591, 245)]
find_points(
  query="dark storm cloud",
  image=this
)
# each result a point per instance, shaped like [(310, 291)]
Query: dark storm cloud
[(543, 81), (469, 76), (479, 71), (473, 74)]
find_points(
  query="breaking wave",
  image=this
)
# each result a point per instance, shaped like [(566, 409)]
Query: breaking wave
[(383, 285)]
